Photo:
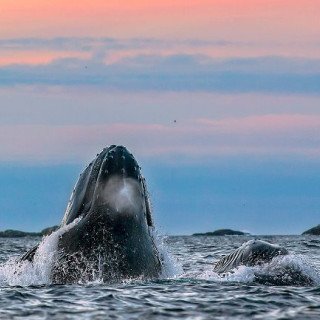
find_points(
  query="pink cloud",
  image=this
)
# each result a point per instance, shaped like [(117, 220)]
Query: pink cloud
[(269, 134), (279, 123)]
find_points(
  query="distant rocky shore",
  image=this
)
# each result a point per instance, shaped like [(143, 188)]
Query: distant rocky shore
[(20, 234), (222, 232), (315, 231)]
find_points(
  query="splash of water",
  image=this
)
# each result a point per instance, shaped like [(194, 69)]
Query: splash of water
[(171, 267), (38, 272)]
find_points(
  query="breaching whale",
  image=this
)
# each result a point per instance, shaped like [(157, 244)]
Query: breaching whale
[(113, 238), (257, 253)]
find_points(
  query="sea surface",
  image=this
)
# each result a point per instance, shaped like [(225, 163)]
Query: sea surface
[(188, 289)]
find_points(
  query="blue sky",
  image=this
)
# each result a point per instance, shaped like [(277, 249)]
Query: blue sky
[(218, 101), (259, 196)]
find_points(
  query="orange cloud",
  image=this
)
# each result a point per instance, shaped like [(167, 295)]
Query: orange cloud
[(265, 27), (36, 57), (246, 20)]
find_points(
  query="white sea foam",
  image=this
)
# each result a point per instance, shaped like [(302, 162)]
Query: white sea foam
[(285, 266), (38, 272), (241, 274)]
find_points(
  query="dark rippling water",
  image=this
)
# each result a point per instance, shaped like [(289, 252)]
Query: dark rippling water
[(194, 293)]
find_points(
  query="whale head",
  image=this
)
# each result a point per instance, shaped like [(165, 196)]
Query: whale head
[(111, 183), (111, 236)]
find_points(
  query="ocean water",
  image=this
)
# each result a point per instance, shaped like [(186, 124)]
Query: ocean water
[(188, 289)]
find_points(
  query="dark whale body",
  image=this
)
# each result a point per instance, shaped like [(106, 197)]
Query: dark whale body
[(258, 252), (113, 239), (251, 253)]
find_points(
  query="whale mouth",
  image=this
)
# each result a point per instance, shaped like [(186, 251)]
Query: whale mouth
[(113, 179)]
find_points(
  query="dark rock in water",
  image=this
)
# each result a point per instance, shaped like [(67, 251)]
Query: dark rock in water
[(18, 234), (313, 231), (49, 230), (222, 232)]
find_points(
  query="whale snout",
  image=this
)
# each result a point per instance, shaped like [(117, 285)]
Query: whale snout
[(119, 161), (119, 180)]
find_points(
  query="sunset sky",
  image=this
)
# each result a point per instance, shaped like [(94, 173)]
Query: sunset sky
[(218, 100)]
